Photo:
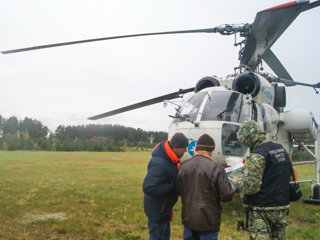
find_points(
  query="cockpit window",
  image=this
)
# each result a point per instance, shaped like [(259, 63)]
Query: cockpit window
[(190, 109), (225, 106)]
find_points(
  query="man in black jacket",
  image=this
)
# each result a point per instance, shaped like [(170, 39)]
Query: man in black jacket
[(159, 185)]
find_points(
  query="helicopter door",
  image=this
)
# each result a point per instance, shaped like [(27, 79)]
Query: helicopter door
[(229, 141)]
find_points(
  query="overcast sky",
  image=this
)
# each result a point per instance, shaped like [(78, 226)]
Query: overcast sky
[(66, 85)]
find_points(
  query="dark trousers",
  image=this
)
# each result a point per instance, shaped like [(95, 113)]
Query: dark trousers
[(159, 231)]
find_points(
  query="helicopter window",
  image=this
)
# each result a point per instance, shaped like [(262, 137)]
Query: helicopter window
[(266, 116), (190, 108), (229, 142), (270, 117), (225, 106)]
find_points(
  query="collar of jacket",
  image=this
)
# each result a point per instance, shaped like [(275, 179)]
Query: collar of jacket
[(170, 153), (203, 153), (258, 143)]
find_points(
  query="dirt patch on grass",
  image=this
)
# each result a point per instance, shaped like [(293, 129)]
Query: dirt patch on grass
[(31, 217)]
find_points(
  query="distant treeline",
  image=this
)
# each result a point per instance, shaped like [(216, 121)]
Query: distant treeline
[(31, 134)]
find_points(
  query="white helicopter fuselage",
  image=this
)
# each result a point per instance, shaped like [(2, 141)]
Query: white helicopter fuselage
[(219, 112)]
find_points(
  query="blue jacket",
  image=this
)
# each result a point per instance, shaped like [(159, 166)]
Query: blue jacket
[(159, 184)]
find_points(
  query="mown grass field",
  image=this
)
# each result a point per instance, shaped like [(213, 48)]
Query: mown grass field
[(89, 195)]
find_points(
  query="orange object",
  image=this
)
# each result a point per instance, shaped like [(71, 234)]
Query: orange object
[(295, 173)]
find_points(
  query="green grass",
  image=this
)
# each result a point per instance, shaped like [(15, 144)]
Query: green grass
[(89, 195)]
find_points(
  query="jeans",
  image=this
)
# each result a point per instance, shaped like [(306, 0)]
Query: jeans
[(189, 234), (159, 231)]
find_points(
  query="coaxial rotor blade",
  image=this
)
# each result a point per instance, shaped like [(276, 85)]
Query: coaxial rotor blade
[(273, 62), (292, 83), (143, 104), (312, 5), (266, 29), (206, 30)]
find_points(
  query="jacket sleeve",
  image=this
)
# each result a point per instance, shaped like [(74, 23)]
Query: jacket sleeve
[(251, 180), (178, 185), (156, 182), (224, 186)]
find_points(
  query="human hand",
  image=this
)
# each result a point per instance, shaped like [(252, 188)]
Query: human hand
[(234, 181)]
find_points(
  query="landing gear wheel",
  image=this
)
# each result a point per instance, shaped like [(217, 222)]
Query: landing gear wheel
[(315, 197), (316, 192)]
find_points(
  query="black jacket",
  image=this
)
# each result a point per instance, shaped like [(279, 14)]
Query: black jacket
[(275, 180), (159, 184)]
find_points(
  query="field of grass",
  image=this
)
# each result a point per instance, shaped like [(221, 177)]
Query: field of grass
[(89, 195)]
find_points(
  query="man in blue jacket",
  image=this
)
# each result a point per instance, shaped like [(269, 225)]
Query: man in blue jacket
[(159, 185)]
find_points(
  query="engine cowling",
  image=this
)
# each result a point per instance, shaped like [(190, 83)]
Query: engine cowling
[(206, 82), (255, 85)]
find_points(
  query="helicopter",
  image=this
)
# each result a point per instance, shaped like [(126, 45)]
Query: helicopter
[(220, 104)]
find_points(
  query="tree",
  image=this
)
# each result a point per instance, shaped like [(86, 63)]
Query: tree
[(12, 142), (26, 135), (5, 146), (1, 125), (34, 127), (60, 132), (10, 126), (30, 134)]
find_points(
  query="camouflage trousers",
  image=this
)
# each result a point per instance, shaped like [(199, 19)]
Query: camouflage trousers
[(268, 224)]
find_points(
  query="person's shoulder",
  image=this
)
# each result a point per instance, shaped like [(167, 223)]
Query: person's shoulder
[(256, 159), (209, 163), (157, 160), (187, 161), (218, 166)]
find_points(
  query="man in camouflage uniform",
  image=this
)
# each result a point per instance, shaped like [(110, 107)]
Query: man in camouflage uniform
[(265, 183)]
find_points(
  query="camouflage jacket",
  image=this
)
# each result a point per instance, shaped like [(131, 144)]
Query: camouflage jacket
[(251, 135)]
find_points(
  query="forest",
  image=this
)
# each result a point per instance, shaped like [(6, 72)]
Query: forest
[(31, 134)]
